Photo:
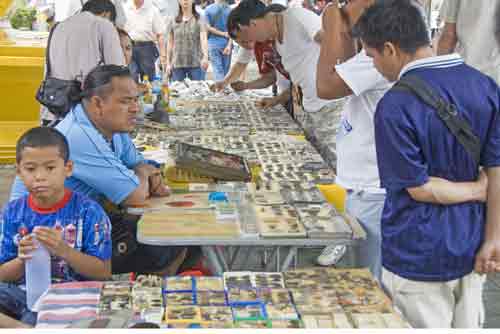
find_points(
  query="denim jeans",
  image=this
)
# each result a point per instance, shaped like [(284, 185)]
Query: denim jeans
[(13, 303), (367, 208), (220, 63), (144, 55), (193, 73)]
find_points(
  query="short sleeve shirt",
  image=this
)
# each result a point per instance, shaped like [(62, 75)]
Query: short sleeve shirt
[(102, 169), (356, 158), (187, 43), (144, 23), (216, 16), (475, 26), (424, 241), (82, 222)]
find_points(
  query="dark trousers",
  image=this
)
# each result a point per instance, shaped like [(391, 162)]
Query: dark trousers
[(13, 304), (144, 55)]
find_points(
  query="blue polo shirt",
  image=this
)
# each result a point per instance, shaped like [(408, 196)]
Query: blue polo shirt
[(422, 241), (102, 169), (216, 15)]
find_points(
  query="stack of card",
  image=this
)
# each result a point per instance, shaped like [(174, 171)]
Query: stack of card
[(115, 296)]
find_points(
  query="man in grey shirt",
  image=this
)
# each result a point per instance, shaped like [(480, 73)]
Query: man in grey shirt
[(84, 41)]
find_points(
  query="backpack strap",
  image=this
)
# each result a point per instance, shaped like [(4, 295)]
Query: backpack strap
[(447, 112), (47, 52)]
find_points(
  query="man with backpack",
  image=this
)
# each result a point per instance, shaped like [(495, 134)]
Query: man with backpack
[(82, 42), (434, 131)]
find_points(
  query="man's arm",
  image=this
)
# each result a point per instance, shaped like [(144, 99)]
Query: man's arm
[(337, 46), (448, 40), (263, 81), (139, 196), (488, 258), (161, 46), (444, 192), (217, 32), (234, 74)]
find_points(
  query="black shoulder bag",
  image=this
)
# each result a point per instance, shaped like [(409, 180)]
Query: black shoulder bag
[(58, 95), (447, 112)]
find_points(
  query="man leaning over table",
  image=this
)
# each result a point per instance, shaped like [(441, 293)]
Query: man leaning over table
[(109, 169)]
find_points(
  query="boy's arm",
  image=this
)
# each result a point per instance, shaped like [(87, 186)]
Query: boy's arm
[(12, 271), (86, 265)]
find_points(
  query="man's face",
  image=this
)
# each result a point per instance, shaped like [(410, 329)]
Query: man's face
[(43, 172), (117, 112), (385, 61), (248, 35)]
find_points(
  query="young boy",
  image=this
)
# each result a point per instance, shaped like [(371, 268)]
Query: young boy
[(74, 229)]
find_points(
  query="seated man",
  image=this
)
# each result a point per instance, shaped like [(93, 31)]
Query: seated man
[(71, 227), (109, 168)]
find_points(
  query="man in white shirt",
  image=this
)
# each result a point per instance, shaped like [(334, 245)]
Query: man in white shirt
[(469, 29), (296, 33), (146, 27), (344, 72)]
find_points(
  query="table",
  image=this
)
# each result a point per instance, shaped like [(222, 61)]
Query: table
[(224, 260)]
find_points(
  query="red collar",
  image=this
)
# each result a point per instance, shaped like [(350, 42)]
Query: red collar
[(56, 207)]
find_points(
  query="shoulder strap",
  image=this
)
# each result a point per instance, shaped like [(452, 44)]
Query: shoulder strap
[(47, 52), (447, 112)]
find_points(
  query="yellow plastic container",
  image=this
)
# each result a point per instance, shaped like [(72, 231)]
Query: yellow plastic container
[(335, 195)]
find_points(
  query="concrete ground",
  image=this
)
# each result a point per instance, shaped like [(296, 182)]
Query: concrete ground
[(491, 292)]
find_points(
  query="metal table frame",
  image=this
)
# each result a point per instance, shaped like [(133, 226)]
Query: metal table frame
[(224, 261)]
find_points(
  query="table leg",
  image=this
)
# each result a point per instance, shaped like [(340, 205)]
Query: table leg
[(273, 255), (234, 256), (212, 257), (292, 252), (219, 252)]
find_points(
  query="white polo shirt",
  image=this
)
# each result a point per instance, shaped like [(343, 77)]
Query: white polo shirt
[(357, 167), (144, 23)]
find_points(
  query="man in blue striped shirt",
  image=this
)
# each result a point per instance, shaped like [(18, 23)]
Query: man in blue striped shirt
[(437, 237)]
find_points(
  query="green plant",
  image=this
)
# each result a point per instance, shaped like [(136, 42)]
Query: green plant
[(23, 18)]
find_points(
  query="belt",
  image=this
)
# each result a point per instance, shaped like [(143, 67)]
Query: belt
[(143, 43)]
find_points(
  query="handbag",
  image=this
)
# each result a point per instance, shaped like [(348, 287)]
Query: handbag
[(58, 95)]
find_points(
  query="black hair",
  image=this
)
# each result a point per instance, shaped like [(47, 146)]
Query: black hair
[(497, 23), (178, 19), (98, 7), (40, 137), (249, 10), (98, 81), (400, 22)]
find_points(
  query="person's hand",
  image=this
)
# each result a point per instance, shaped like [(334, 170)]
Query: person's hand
[(168, 70), (227, 50), (266, 103), (239, 86), (146, 170), (157, 187), (52, 240), (482, 182), (26, 247), (488, 258), (204, 64), (218, 86)]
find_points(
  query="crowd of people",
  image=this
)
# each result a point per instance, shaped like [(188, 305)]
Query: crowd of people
[(418, 148)]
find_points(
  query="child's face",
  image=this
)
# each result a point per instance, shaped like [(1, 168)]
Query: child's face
[(43, 171)]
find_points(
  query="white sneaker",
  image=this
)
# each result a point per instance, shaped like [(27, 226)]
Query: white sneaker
[(331, 255)]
